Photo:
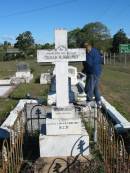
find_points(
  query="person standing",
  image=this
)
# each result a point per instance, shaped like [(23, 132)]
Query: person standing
[(93, 69)]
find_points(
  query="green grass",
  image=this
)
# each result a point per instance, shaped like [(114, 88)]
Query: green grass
[(8, 69), (115, 84), (115, 87), (34, 89), (5, 106)]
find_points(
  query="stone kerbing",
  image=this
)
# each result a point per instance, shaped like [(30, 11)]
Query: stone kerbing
[(120, 119), (14, 113)]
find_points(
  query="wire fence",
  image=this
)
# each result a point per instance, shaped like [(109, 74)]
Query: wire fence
[(117, 59), (111, 145), (12, 151)]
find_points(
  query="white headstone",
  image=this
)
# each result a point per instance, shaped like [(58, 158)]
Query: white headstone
[(61, 56), (23, 72), (64, 132), (45, 78), (72, 73)]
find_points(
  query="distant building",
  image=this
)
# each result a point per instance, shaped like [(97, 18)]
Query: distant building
[(13, 51)]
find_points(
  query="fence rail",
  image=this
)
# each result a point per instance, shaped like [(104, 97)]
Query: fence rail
[(111, 146), (12, 153), (116, 59)]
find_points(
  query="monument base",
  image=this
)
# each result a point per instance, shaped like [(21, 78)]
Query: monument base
[(64, 113), (64, 145)]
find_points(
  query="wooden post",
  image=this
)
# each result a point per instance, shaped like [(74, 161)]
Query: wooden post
[(104, 57), (114, 58), (110, 57), (125, 59)]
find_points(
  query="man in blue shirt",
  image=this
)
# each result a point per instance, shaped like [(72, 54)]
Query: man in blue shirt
[(93, 68)]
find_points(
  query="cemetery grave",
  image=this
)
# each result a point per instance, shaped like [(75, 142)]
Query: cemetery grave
[(63, 122), (6, 87), (23, 73), (65, 128), (45, 78), (76, 84), (4, 90)]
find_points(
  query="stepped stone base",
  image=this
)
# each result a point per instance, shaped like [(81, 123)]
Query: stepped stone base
[(64, 145)]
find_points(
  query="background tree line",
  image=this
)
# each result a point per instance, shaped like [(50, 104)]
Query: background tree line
[(96, 33)]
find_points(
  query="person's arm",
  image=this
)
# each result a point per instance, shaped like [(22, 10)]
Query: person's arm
[(89, 59)]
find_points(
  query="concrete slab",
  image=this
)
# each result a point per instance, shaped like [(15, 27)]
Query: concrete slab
[(64, 145), (4, 90)]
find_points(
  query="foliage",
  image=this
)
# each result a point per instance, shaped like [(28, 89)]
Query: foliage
[(3, 49), (119, 38), (45, 46), (6, 45), (25, 42), (6, 105), (2, 54), (96, 33), (74, 37)]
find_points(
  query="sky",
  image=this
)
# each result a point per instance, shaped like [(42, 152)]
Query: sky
[(41, 17)]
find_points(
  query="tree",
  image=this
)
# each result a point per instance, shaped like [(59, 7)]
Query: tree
[(6, 45), (119, 38), (95, 32), (47, 46), (25, 42), (72, 37)]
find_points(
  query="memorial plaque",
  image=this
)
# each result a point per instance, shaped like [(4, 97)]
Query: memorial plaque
[(60, 54), (68, 112), (63, 126)]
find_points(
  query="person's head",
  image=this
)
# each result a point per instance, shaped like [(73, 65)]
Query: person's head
[(88, 46)]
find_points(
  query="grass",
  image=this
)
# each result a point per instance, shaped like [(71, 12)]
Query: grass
[(115, 84), (35, 90), (8, 69), (5, 106), (115, 87)]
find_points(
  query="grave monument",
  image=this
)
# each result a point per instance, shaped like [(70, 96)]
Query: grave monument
[(65, 134), (23, 73)]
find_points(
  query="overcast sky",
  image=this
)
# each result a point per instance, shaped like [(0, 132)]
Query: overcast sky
[(41, 17)]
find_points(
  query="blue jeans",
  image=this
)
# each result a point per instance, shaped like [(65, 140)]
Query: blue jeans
[(92, 88)]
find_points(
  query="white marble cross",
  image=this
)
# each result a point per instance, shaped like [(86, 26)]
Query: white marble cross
[(61, 55)]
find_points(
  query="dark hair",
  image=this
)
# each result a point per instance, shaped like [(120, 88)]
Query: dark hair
[(89, 42)]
